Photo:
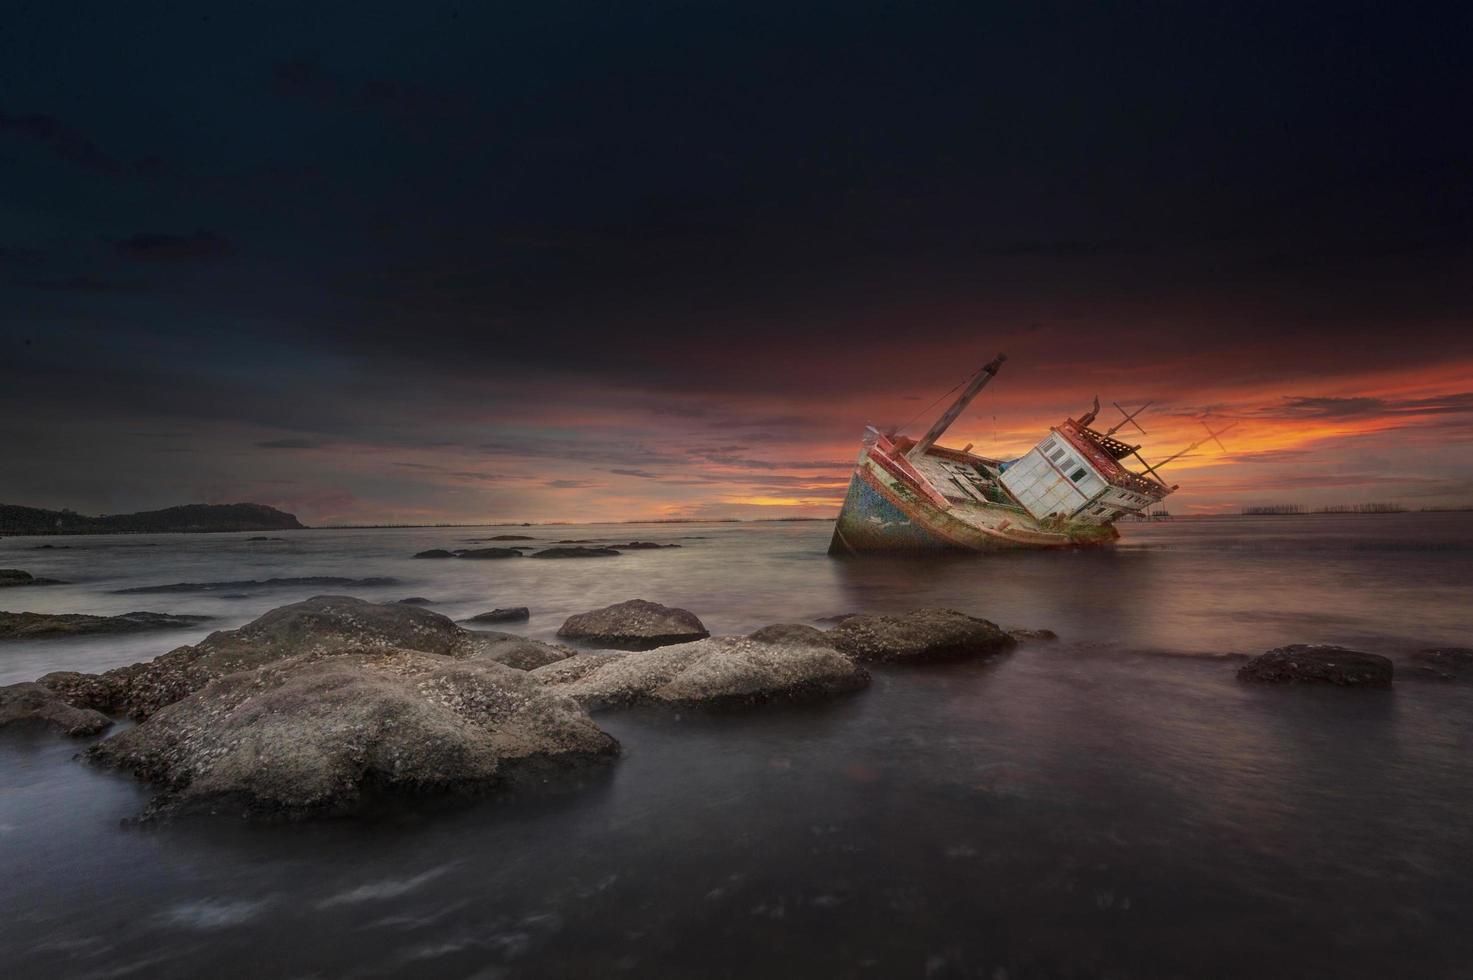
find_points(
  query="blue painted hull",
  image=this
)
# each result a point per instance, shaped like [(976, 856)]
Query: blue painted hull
[(871, 522)]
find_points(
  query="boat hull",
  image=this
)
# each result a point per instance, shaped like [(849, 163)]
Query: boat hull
[(890, 509)]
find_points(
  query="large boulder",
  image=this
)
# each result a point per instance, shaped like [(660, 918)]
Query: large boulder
[(10, 577), (325, 732), (575, 553), (100, 692), (323, 624), (28, 625), (792, 633), (1443, 664), (483, 553), (634, 625), (720, 671), (922, 636), (435, 553), (1305, 663), (523, 653), (267, 583), (34, 704), (511, 614)]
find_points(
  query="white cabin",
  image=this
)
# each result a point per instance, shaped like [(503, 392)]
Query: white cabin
[(1058, 478)]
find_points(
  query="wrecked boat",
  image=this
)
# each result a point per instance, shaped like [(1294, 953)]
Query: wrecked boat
[(909, 495)]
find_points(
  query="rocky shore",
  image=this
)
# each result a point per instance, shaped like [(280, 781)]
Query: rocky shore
[(28, 625), (16, 578), (1318, 664), (321, 706)]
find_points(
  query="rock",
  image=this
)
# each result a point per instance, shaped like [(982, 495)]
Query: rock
[(416, 600), (633, 625), (641, 546), (508, 537), (479, 553), (1032, 636), (1443, 664), (925, 635), (96, 691), (323, 623), (435, 553), (22, 704), (52, 547), (11, 577), (268, 583), (720, 671), (576, 541), (792, 633), (27, 625), (512, 614), (575, 553), (326, 732), (1318, 664), (262, 537), (523, 653), (836, 619)]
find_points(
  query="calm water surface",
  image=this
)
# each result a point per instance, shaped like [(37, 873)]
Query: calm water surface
[(1091, 808)]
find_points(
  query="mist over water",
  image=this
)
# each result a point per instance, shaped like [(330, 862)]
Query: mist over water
[(1093, 807)]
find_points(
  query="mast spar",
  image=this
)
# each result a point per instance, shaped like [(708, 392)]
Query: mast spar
[(979, 381)]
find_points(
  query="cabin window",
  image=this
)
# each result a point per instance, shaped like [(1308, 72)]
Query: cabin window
[(1077, 475), (1046, 447), (1056, 454)]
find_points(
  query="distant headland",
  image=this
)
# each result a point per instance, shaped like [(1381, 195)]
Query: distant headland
[(198, 518)]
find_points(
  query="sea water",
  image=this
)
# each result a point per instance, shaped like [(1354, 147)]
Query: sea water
[(1114, 804)]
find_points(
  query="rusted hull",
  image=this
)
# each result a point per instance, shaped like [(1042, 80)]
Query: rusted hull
[(890, 508)]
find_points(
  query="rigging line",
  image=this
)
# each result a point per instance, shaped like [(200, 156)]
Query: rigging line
[(936, 402)]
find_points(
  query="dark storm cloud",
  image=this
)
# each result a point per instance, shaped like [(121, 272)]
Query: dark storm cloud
[(1067, 249), (761, 422), (1458, 403), (727, 225), (20, 257), (63, 141), (1268, 456), (591, 449), (403, 101), (1334, 408), (288, 443), (745, 462), (86, 284), (161, 246), (447, 471)]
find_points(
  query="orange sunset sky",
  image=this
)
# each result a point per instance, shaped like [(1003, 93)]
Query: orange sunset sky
[(520, 266)]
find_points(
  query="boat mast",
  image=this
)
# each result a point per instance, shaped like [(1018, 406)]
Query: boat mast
[(979, 381), (1211, 437)]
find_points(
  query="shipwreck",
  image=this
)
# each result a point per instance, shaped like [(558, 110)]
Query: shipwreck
[(909, 495)]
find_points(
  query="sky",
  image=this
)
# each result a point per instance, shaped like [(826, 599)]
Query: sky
[(443, 262)]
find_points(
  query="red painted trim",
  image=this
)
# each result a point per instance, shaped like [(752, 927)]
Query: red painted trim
[(903, 471)]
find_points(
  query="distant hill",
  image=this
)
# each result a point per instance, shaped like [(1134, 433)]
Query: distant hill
[(190, 517)]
